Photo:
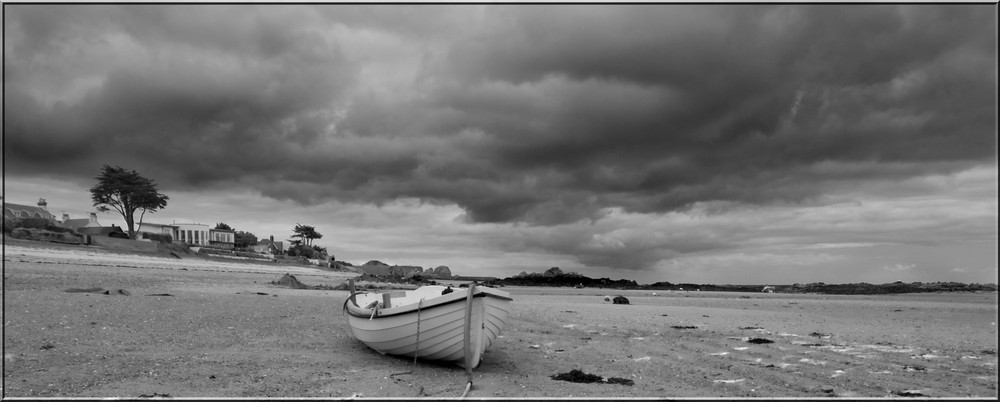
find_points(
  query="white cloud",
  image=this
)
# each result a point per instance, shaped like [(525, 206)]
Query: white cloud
[(899, 267)]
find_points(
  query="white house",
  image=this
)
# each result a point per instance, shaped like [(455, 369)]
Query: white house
[(222, 238), (192, 233), (148, 228)]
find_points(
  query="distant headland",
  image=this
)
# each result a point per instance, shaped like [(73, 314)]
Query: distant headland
[(555, 277)]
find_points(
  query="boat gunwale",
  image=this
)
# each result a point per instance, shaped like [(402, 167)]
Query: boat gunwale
[(360, 312)]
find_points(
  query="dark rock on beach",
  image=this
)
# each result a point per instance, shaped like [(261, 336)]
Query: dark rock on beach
[(289, 280)]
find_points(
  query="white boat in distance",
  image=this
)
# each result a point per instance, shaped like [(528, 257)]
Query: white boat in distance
[(456, 327)]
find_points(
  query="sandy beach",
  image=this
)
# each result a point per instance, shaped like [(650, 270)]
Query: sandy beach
[(188, 328)]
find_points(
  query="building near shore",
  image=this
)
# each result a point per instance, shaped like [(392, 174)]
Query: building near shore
[(77, 224), (196, 234), (268, 246), (145, 229), (41, 210)]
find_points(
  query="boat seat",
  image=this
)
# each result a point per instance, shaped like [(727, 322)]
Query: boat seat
[(386, 297)]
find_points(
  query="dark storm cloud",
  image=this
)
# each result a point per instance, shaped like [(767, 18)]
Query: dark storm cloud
[(538, 114), (195, 102), (735, 103)]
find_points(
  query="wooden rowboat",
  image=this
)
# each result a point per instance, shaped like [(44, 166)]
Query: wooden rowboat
[(422, 323)]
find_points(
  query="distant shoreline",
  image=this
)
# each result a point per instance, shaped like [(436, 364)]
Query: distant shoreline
[(576, 280)]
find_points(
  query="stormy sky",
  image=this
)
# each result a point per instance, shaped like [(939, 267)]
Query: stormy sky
[(736, 143)]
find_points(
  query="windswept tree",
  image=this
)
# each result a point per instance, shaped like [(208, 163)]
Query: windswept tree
[(305, 234), (126, 191), (223, 226), (301, 242)]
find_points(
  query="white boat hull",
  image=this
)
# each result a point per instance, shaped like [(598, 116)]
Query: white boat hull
[(431, 326)]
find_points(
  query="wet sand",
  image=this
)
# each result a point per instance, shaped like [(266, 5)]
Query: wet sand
[(224, 331)]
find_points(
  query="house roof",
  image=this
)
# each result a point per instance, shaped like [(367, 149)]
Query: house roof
[(159, 225), (16, 209), (75, 223)]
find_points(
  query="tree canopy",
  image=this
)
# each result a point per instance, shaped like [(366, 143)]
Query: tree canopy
[(222, 226), (301, 242), (244, 239), (305, 234), (126, 191)]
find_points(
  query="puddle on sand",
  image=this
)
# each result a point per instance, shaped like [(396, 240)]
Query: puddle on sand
[(928, 356), (889, 348)]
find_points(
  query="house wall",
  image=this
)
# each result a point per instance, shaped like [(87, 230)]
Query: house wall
[(156, 229), (192, 233), (222, 238)]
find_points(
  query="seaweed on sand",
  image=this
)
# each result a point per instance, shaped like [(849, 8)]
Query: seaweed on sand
[(579, 376)]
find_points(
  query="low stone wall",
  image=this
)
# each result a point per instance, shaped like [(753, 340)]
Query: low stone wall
[(123, 244), (46, 235)]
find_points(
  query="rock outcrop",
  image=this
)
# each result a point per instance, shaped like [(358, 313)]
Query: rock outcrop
[(439, 272), (406, 271)]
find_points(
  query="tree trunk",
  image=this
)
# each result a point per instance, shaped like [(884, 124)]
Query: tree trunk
[(130, 221)]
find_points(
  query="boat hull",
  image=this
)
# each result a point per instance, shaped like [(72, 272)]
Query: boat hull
[(431, 326)]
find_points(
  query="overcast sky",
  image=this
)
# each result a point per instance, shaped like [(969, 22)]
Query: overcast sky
[(683, 143)]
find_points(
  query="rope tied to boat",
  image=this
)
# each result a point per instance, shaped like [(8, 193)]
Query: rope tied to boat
[(350, 299), (467, 346), (416, 349)]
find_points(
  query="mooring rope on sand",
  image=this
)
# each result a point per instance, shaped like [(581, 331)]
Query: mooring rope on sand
[(467, 347)]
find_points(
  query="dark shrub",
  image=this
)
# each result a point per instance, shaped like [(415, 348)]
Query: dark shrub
[(59, 229), (162, 238), (9, 223)]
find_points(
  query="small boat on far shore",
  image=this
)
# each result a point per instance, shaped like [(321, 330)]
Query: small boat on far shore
[(424, 323)]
